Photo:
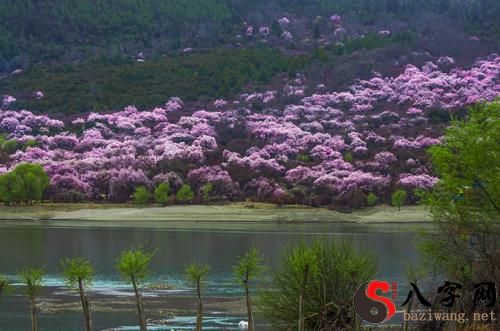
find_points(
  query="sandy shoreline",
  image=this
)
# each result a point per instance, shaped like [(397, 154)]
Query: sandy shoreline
[(201, 215)]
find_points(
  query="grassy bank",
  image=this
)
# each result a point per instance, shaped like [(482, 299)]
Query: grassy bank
[(131, 215)]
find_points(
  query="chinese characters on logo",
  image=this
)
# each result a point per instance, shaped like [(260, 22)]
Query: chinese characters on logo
[(376, 308)]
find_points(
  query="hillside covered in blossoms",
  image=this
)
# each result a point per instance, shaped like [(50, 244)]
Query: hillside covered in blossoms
[(249, 164), (284, 145)]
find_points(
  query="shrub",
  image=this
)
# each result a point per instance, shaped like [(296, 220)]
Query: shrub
[(398, 198), (10, 146), (371, 199), (325, 274), (185, 194), (141, 195), (30, 143), (303, 157), (206, 191), (162, 192)]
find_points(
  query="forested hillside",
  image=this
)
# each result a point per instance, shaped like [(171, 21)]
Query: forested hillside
[(103, 85), (67, 30), (108, 85)]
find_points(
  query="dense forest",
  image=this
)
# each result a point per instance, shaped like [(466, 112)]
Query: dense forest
[(104, 85), (108, 85), (65, 30), (104, 55)]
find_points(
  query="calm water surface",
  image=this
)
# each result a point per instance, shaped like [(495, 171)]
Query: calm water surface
[(34, 245)]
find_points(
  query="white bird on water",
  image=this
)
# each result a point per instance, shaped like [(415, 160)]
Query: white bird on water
[(243, 325)]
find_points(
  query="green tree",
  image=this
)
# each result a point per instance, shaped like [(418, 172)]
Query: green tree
[(195, 274), (303, 157), (399, 198), (348, 157), (133, 265), (421, 194), (465, 242), (162, 193), (206, 191), (30, 143), (325, 274), (10, 146), (141, 195), (249, 266), (33, 281), (371, 199), (185, 194), (26, 183), (79, 275), (11, 188), (35, 180)]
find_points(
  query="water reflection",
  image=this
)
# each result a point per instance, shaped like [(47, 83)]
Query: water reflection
[(45, 246)]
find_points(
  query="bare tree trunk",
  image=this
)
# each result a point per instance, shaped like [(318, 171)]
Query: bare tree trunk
[(85, 307), (34, 324), (301, 312), (199, 317), (249, 308), (140, 308)]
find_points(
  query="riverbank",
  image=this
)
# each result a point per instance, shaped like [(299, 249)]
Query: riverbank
[(171, 308), (238, 213), (159, 303)]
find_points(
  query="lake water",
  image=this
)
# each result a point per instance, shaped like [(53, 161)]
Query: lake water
[(44, 246)]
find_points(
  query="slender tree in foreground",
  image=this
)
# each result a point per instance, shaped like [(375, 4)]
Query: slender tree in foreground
[(133, 265), (33, 280), (248, 267), (79, 274), (196, 273)]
